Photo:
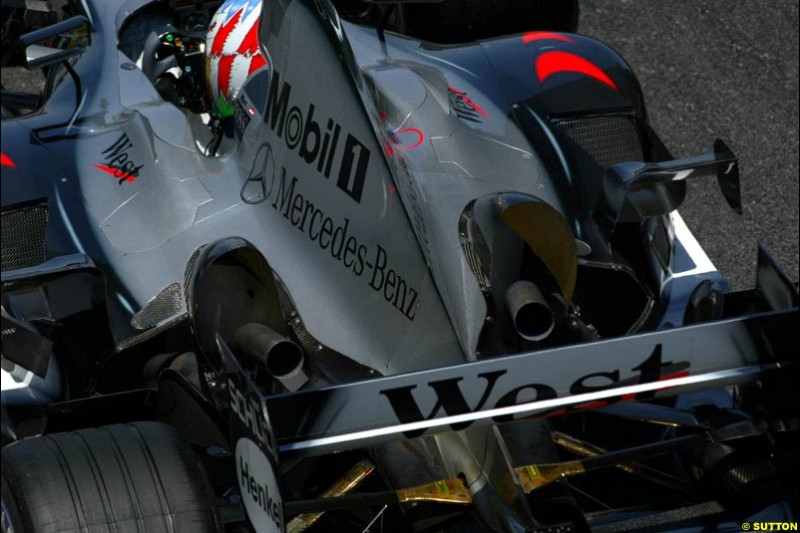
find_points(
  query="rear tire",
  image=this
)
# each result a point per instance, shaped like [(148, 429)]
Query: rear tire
[(139, 477)]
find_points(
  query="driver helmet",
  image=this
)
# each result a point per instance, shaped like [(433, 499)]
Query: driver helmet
[(232, 53)]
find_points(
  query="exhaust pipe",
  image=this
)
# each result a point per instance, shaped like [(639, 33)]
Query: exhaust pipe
[(282, 358), (529, 311)]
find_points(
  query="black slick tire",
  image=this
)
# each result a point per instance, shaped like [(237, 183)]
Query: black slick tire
[(140, 477)]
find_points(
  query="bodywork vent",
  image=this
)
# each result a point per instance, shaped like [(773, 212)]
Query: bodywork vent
[(476, 251), (306, 340), (608, 139), (167, 304), (23, 236)]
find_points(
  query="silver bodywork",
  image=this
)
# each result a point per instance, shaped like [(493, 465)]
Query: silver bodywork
[(406, 218), (350, 173)]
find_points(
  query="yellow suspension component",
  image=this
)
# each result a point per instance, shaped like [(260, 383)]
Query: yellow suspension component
[(442, 491), (533, 477), (349, 481)]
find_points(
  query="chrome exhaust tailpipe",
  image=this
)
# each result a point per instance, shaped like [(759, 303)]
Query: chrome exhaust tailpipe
[(282, 358), (529, 311)]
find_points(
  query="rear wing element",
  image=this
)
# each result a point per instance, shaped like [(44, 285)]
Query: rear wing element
[(634, 190), (543, 383)]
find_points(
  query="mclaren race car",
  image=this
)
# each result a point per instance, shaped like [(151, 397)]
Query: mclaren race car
[(368, 265)]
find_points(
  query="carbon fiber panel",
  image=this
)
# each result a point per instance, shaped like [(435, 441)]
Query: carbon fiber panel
[(23, 237)]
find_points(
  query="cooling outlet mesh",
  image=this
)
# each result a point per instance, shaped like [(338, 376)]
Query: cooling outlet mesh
[(608, 139), (23, 237)]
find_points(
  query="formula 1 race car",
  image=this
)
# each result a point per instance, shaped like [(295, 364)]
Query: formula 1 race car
[(368, 265)]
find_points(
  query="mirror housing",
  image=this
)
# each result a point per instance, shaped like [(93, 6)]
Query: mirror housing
[(57, 42)]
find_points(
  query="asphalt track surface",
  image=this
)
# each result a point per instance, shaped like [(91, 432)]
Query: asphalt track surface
[(716, 68), (729, 69)]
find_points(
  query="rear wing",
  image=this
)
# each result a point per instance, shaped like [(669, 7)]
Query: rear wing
[(543, 383)]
